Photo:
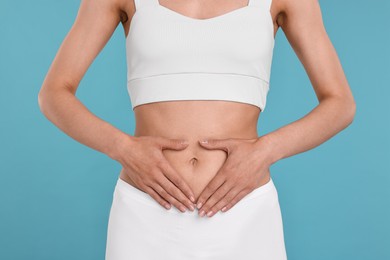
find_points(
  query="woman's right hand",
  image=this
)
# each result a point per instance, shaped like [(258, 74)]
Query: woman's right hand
[(143, 161)]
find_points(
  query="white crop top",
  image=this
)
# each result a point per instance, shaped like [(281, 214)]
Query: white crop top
[(171, 56)]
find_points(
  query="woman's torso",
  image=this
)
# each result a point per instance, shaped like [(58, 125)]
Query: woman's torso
[(196, 120)]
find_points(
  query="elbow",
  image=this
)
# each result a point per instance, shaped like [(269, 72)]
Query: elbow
[(45, 99), (52, 92), (50, 98), (350, 111), (40, 101), (344, 109), (42, 96)]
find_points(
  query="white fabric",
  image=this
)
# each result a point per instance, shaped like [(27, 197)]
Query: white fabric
[(139, 228), (171, 56)]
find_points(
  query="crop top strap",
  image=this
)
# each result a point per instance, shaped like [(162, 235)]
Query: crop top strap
[(261, 3), (140, 3)]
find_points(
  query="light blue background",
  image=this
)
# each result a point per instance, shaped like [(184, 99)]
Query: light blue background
[(56, 193)]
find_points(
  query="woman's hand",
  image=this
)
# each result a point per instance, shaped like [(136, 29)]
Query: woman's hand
[(245, 169), (145, 164)]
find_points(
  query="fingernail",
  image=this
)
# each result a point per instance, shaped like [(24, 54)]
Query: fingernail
[(192, 208), (202, 213), (209, 213), (204, 141), (192, 199), (199, 205), (167, 206), (223, 209)]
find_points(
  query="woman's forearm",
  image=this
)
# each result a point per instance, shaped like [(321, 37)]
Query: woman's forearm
[(64, 110), (327, 119)]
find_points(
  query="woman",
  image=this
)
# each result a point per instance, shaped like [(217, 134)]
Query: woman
[(197, 70)]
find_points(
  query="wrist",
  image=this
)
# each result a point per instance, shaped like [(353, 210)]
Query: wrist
[(120, 144), (267, 146)]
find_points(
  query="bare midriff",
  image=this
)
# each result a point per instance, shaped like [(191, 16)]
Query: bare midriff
[(195, 120)]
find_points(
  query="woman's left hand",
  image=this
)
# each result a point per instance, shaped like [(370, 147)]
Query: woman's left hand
[(245, 169)]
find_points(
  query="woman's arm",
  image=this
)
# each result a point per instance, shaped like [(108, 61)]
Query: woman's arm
[(248, 162), (141, 157), (95, 23), (301, 21)]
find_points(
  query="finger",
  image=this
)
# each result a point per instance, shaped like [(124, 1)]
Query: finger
[(166, 194), (173, 144), (230, 195), (214, 199), (211, 187), (176, 179), (235, 200), (174, 191), (221, 144), (157, 197)]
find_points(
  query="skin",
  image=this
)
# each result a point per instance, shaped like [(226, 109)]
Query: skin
[(236, 160)]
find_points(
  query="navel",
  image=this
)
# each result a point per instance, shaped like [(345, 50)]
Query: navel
[(193, 161)]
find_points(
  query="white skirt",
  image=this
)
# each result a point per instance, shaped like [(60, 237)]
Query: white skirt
[(139, 228)]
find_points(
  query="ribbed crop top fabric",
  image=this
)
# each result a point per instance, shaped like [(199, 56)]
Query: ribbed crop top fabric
[(171, 56)]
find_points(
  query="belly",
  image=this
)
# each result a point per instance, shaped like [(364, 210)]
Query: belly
[(193, 121)]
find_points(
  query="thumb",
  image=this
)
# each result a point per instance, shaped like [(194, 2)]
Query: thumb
[(174, 144), (220, 144)]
